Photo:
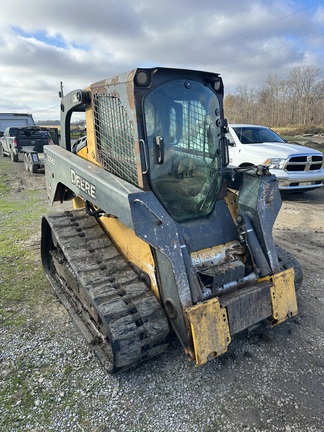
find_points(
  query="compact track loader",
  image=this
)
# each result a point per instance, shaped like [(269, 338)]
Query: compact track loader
[(163, 236)]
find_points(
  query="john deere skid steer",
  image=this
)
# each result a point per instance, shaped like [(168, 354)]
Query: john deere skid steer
[(162, 236)]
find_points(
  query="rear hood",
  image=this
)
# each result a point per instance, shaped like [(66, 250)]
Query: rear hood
[(277, 150)]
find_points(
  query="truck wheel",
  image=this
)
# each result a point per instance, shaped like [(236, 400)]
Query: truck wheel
[(1, 151), (14, 157), (286, 261), (31, 166), (26, 162)]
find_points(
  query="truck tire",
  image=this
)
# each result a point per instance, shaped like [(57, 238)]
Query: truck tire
[(14, 157), (31, 166), (1, 151), (26, 162)]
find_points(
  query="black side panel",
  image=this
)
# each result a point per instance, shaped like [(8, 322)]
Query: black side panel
[(218, 228), (259, 200)]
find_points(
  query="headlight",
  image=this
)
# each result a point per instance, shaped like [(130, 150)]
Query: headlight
[(275, 163)]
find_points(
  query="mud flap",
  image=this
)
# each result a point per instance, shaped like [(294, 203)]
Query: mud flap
[(283, 296), (210, 330)]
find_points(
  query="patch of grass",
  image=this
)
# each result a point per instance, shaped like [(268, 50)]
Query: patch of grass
[(297, 130), (25, 391), (16, 390), (67, 371), (30, 390), (292, 138), (314, 130), (4, 189), (21, 275)]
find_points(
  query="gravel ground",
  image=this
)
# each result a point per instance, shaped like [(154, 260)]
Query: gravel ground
[(271, 379)]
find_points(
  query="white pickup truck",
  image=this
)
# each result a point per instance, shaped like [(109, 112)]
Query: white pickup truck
[(296, 167)]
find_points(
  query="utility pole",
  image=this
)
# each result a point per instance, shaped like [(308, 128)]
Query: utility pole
[(61, 91)]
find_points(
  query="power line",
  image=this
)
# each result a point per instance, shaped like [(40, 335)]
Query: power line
[(272, 49), (47, 109)]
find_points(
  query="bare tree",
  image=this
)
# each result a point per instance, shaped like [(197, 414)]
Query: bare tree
[(298, 100), (241, 108), (303, 82)]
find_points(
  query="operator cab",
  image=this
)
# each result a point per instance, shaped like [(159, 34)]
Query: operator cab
[(186, 147)]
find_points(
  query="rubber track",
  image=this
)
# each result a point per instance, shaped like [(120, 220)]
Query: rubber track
[(286, 261), (111, 304)]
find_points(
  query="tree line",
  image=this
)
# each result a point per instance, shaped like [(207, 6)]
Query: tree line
[(295, 101)]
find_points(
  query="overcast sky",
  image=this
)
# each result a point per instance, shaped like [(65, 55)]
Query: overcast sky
[(44, 42)]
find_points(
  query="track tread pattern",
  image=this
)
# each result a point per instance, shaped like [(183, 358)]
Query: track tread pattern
[(106, 293)]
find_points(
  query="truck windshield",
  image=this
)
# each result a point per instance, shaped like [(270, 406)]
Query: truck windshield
[(184, 147), (256, 135)]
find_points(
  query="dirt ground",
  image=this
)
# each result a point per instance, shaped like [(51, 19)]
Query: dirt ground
[(272, 379)]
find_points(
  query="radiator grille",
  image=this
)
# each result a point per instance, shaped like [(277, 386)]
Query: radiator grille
[(304, 163), (115, 137)]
